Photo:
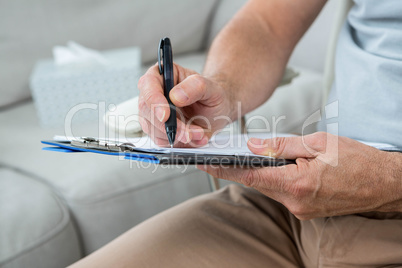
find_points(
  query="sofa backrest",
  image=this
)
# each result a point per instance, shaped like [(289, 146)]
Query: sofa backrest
[(29, 29), (223, 13)]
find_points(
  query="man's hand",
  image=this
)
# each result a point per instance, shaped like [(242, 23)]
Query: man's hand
[(332, 175), (199, 102)]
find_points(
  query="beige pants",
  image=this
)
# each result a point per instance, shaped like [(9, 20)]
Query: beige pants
[(239, 227)]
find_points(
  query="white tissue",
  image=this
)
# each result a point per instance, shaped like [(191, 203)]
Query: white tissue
[(124, 119), (74, 53)]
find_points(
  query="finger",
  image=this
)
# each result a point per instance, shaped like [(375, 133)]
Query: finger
[(180, 141), (194, 132), (190, 132), (153, 124), (161, 142), (151, 91), (192, 135), (269, 178), (165, 143), (286, 147), (192, 89), (155, 131), (151, 88)]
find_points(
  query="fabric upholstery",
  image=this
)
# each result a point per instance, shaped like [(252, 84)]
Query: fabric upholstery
[(35, 227), (98, 189), (29, 29), (289, 106), (223, 14)]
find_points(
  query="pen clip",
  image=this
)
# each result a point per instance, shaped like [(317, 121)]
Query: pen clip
[(160, 55)]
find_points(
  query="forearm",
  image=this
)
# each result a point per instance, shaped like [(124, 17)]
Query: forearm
[(246, 60), (249, 56)]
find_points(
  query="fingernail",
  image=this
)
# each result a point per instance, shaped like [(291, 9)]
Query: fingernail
[(197, 134), (269, 152), (189, 136), (185, 137), (259, 147), (256, 142), (180, 95), (160, 113), (204, 141)]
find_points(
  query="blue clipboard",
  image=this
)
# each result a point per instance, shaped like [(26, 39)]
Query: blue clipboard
[(66, 147), (248, 161)]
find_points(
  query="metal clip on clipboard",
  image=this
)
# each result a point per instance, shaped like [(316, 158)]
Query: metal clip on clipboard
[(104, 145)]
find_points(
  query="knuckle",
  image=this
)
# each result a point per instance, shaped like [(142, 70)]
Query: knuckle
[(301, 190), (248, 179), (215, 171), (302, 204), (318, 139), (299, 210), (160, 142), (142, 105), (147, 96), (303, 217), (201, 83), (283, 186), (144, 125), (278, 145)]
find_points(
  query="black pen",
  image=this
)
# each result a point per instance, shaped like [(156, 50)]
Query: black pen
[(165, 62)]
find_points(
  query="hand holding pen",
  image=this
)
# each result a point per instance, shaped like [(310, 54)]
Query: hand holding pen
[(197, 101)]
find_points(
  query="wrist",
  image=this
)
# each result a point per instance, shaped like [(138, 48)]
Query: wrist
[(393, 170)]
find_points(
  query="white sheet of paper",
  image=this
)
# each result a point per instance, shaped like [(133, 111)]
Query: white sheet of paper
[(219, 145)]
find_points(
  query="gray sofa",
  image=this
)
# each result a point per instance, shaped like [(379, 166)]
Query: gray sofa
[(56, 208)]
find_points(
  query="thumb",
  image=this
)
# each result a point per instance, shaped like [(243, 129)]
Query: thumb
[(192, 89), (285, 147)]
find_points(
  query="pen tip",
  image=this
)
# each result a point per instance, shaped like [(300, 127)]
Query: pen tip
[(171, 134)]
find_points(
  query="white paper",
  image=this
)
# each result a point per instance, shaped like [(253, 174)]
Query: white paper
[(218, 145), (382, 146)]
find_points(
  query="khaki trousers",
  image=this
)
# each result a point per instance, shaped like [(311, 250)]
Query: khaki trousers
[(239, 227)]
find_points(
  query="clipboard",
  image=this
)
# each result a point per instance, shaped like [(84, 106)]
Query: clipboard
[(130, 152)]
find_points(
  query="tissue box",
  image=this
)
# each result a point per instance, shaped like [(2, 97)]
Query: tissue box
[(84, 91)]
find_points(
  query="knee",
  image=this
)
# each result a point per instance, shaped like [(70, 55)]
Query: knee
[(198, 209)]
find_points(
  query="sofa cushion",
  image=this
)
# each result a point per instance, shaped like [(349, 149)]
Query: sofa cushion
[(107, 195), (290, 105), (29, 29), (35, 226), (98, 189)]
